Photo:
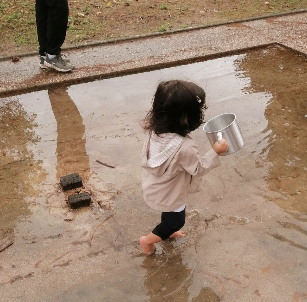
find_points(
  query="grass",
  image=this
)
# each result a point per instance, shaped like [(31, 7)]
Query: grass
[(95, 20), (165, 27), (2, 7), (163, 6), (85, 9), (162, 28), (182, 9), (12, 18)]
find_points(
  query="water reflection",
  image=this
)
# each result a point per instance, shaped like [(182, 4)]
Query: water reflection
[(206, 295), (171, 275), (167, 278), (20, 173), (71, 152), (285, 153)]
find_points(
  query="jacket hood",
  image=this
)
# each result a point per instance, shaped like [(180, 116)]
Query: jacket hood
[(158, 150)]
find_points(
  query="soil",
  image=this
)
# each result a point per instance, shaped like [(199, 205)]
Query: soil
[(93, 20)]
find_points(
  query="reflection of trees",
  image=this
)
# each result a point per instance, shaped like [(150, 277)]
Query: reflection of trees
[(283, 74), (19, 172), (71, 152)]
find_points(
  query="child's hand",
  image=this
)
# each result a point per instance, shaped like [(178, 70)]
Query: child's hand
[(220, 147)]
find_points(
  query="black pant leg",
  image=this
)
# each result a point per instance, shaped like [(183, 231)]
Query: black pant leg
[(41, 15), (58, 12), (171, 222)]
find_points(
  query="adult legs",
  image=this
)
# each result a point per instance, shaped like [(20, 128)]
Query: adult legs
[(56, 25), (51, 21), (41, 14)]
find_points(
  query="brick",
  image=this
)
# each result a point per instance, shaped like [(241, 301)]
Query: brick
[(71, 181), (79, 200)]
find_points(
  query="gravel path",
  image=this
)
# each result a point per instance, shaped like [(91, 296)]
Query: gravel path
[(133, 55)]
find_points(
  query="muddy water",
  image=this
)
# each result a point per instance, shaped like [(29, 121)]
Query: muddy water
[(242, 228), (20, 173), (285, 152)]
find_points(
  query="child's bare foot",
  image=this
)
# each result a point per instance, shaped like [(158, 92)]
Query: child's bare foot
[(148, 249), (178, 234)]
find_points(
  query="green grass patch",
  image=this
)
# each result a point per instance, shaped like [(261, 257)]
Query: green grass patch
[(165, 27)]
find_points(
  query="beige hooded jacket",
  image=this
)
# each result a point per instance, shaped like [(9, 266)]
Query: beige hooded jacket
[(165, 186)]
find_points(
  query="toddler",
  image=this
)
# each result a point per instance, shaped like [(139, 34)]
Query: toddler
[(170, 157)]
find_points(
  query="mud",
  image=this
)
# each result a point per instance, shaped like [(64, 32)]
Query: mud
[(246, 229)]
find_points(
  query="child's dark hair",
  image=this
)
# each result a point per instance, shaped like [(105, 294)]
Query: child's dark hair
[(177, 108)]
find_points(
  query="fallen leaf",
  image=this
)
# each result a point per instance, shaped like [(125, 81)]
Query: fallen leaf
[(15, 59)]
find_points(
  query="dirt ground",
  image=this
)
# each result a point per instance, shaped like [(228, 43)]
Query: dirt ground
[(93, 20)]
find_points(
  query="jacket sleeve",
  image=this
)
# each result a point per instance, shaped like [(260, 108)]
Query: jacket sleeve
[(196, 165)]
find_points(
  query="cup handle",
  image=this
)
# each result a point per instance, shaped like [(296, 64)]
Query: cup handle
[(219, 136)]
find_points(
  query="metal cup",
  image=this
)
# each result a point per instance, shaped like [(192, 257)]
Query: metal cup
[(224, 126)]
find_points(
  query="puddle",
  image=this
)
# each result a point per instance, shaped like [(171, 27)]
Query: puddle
[(284, 153), (20, 174), (93, 129)]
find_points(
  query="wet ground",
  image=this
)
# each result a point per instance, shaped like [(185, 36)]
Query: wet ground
[(246, 229)]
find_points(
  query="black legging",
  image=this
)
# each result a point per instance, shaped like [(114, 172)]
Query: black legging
[(51, 23), (171, 222)]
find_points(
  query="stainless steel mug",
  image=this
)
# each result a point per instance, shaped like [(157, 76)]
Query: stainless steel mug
[(224, 126)]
